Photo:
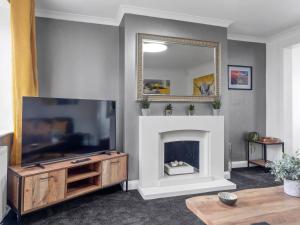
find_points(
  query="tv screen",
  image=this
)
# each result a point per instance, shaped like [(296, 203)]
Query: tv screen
[(57, 129)]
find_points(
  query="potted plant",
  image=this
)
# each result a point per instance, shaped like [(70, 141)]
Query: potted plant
[(287, 170), (191, 109), (145, 105), (216, 106), (168, 109), (252, 136)]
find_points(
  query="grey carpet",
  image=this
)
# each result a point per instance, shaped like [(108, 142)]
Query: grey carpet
[(114, 207)]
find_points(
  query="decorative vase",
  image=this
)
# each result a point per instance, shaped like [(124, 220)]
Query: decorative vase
[(292, 187), (146, 112), (168, 112), (216, 112), (190, 112)]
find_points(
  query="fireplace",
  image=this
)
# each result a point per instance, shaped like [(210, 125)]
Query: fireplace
[(181, 157), (184, 146), (195, 140)]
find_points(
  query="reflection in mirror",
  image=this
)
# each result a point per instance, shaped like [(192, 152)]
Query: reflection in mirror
[(177, 69)]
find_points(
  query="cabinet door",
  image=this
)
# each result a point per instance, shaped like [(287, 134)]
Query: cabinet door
[(114, 171), (43, 189)]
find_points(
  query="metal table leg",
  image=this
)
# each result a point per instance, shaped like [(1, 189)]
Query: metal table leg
[(248, 153)]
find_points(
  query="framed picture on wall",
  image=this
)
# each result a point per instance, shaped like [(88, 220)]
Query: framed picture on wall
[(239, 77)]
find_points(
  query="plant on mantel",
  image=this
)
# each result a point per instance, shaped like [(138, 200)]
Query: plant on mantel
[(216, 106), (191, 109), (168, 109), (145, 106)]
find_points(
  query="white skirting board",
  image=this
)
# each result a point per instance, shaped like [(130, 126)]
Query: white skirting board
[(133, 184), (3, 181), (241, 164), (227, 175)]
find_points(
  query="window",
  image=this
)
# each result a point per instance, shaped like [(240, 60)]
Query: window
[(295, 97)]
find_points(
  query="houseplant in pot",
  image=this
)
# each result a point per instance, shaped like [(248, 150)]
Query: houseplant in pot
[(168, 109), (191, 109), (288, 170), (216, 106), (145, 105), (252, 137)]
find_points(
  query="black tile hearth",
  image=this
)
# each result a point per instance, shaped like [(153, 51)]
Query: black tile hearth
[(114, 207)]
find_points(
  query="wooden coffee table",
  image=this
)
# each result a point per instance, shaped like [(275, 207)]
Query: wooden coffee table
[(270, 205)]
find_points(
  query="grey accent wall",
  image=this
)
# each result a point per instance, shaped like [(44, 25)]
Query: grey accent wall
[(79, 60), (134, 24), (247, 109)]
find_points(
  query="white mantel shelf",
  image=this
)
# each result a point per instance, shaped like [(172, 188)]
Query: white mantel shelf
[(154, 131)]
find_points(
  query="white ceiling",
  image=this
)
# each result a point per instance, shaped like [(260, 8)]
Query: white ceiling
[(246, 18), (179, 57)]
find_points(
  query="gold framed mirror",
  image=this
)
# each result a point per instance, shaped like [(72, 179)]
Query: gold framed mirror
[(177, 69)]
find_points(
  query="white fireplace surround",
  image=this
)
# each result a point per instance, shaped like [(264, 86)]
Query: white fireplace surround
[(154, 131)]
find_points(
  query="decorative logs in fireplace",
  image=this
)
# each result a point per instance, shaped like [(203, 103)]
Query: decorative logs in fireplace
[(177, 168)]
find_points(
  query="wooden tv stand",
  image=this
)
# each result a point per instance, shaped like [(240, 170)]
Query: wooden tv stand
[(30, 189)]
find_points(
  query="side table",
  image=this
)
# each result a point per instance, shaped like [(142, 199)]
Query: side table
[(262, 162)]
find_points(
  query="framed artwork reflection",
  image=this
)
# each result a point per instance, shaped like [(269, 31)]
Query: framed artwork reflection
[(239, 77), (157, 87)]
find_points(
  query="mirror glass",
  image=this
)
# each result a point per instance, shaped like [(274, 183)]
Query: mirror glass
[(177, 68)]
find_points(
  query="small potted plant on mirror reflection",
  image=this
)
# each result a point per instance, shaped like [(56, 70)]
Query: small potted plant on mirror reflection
[(216, 106), (191, 109), (287, 170), (145, 106), (168, 109)]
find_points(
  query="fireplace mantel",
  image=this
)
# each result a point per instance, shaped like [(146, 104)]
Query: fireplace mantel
[(208, 130)]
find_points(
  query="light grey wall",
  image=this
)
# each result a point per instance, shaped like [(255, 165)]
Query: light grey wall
[(134, 24), (247, 109), (79, 60)]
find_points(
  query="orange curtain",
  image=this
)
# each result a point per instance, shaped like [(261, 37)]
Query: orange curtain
[(24, 69)]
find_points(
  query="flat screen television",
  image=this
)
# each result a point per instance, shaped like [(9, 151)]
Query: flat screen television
[(55, 129)]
